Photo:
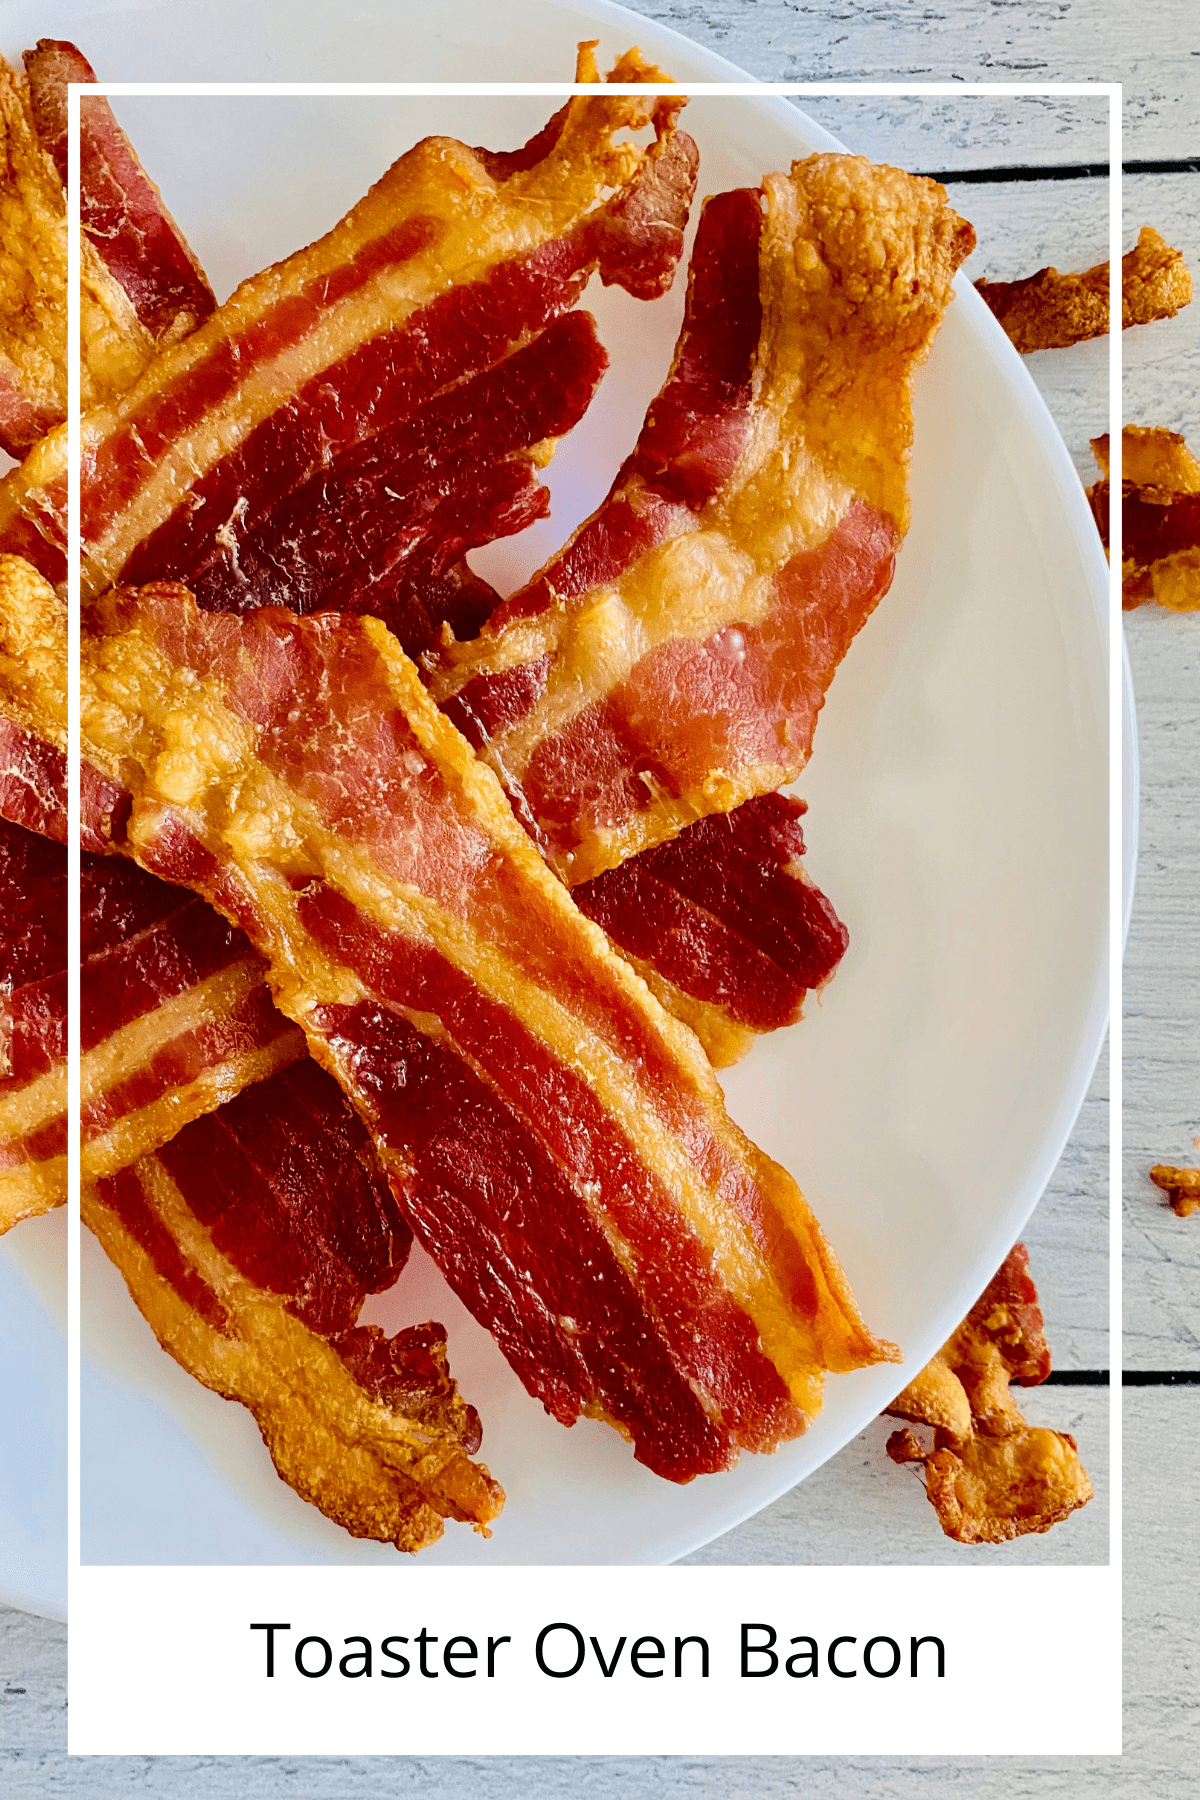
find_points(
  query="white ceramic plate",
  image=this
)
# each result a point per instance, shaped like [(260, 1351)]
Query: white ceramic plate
[(958, 808)]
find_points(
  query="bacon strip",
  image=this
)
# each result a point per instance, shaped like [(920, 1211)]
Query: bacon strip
[(249, 1243), (436, 276), (121, 209), (558, 1143), (671, 661), (722, 923), (33, 291), (383, 525)]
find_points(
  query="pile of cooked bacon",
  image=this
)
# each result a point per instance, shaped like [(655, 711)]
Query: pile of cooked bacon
[(403, 905)]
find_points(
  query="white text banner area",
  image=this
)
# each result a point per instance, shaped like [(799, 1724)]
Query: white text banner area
[(765, 1661)]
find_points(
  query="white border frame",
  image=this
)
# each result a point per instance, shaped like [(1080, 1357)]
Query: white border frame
[(1097, 1610)]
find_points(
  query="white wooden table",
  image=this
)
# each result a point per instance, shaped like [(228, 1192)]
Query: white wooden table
[(860, 1508)]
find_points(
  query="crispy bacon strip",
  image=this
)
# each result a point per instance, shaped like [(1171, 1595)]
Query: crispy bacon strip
[(671, 661), (121, 210), (249, 1243), (1181, 1186), (33, 291), (558, 1143), (1049, 311), (451, 262), (722, 923), (1160, 517), (990, 1476)]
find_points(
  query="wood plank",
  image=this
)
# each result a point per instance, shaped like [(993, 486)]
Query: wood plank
[(1162, 964), (1149, 48), (33, 1683)]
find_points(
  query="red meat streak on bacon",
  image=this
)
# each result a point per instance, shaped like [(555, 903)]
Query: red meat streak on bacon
[(22, 422), (285, 1179), (717, 912), (33, 956), (1149, 531), (142, 942), (32, 782), (251, 1025), (121, 210), (399, 510)]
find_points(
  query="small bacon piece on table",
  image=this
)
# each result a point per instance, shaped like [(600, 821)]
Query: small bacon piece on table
[(121, 210), (722, 924), (249, 1244), (989, 1475), (1181, 1186), (1050, 311), (394, 377), (671, 661), (1160, 517), (558, 1143)]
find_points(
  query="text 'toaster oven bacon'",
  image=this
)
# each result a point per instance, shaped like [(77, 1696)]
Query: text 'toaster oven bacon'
[(454, 260), (121, 210), (557, 1141), (671, 661), (722, 923), (249, 1243)]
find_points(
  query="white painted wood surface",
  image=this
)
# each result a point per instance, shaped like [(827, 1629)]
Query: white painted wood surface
[(860, 1507)]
